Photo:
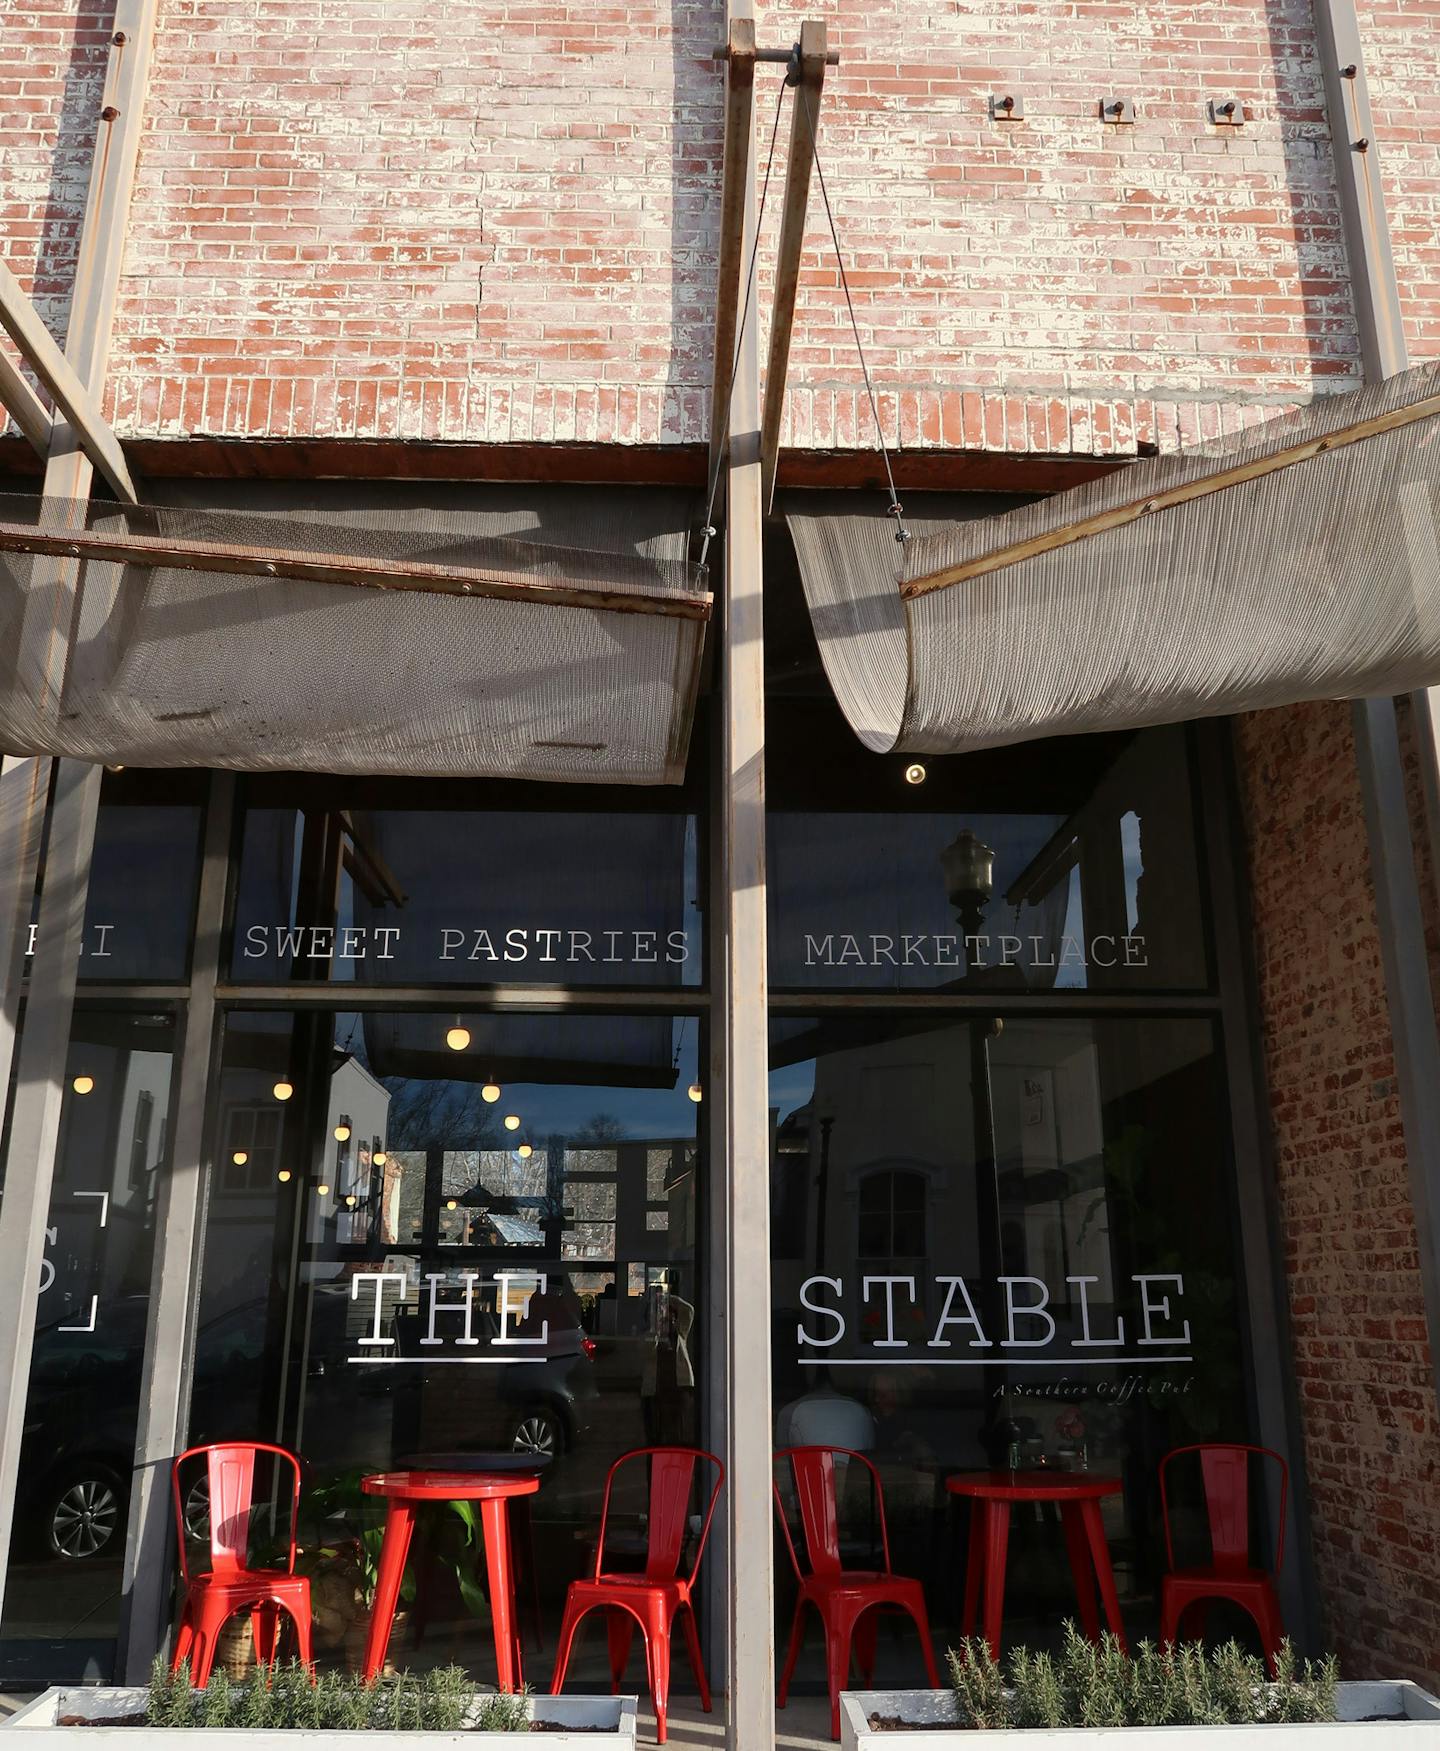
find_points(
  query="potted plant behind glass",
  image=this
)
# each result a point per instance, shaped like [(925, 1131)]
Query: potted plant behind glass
[(1180, 1699), (400, 1714)]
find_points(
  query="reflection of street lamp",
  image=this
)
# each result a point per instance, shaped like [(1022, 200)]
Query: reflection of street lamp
[(968, 865)]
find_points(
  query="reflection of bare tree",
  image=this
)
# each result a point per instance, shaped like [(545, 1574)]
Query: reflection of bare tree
[(599, 1128), (439, 1115)]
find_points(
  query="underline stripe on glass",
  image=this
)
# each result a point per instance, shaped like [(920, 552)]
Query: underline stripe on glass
[(989, 1361), (433, 1361)]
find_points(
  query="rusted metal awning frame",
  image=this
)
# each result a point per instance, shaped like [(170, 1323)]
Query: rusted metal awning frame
[(805, 65), (1103, 522), (337, 568), (21, 321)]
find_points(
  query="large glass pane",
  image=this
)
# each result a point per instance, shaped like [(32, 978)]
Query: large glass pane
[(1070, 865), (441, 1235), (1002, 1240), (466, 885), (62, 1602), (140, 909)]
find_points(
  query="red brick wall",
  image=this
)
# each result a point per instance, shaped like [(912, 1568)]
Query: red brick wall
[(1368, 1406), (494, 221)]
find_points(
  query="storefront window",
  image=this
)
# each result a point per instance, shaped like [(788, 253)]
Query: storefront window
[(1070, 866), (1003, 1239), (435, 1235), (63, 1598), (440, 889)]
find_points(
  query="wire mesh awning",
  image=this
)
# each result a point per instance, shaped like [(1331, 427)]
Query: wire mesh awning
[(1296, 560), (424, 642)]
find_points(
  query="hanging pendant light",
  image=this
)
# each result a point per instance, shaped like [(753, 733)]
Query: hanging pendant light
[(490, 1092), (457, 1037), (283, 1089)]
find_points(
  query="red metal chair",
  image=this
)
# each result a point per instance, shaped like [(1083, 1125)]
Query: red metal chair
[(212, 1599), (841, 1596), (1225, 1474), (657, 1596)]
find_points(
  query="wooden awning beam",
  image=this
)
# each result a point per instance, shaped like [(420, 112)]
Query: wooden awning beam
[(804, 121), (26, 408), (739, 130), (339, 568), (21, 321)]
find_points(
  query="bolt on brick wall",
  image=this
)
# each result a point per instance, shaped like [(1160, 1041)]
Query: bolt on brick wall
[(1370, 1425), (496, 222)]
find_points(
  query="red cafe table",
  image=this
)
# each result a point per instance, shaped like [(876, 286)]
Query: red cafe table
[(1078, 1495), (404, 1491)]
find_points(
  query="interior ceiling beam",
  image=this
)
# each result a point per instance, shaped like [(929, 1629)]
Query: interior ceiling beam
[(739, 57), (25, 407), (21, 321), (804, 121), (339, 568)]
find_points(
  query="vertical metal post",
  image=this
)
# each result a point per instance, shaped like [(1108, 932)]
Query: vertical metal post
[(34, 1126), (175, 1271), (1398, 907), (743, 1083)]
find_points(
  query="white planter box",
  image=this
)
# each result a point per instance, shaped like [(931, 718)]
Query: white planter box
[(616, 1714), (1418, 1730)]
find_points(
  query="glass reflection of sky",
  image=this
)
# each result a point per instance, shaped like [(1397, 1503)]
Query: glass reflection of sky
[(567, 1109)]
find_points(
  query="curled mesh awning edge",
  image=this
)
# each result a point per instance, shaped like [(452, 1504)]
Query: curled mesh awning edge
[(1295, 560)]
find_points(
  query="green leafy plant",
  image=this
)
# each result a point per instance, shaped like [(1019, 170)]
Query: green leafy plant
[(438, 1701), (1090, 1685), (505, 1714)]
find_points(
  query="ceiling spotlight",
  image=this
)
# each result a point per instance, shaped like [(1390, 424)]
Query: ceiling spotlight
[(83, 1085), (283, 1090), (696, 1093), (512, 1121), (342, 1133), (525, 1151), (379, 1158), (915, 773), (322, 1190), (283, 1176), (490, 1092), (457, 1038), (239, 1158)]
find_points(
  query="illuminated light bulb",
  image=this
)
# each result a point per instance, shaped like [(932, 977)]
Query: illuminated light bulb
[(490, 1092), (915, 773), (83, 1085), (350, 1199), (524, 1151), (512, 1121), (283, 1176), (450, 1203), (342, 1133), (380, 1158), (322, 1190), (458, 1038), (283, 1090), (696, 1093), (239, 1158)]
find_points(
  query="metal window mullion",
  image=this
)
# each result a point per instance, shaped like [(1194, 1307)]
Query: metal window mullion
[(742, 1089), (35, 1121), (175, 1270), (1274, 1391)]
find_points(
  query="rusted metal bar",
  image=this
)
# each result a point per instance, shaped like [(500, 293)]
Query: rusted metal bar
[(804, 120), (339, 568), (1118, 515), (735, 173), (21, 321), (25, 407)]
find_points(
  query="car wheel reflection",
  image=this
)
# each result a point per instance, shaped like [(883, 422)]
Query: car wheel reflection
[(537, 1432), (84, 1517)]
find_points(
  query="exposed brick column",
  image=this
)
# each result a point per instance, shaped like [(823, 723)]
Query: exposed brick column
[(1370, 1420)]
